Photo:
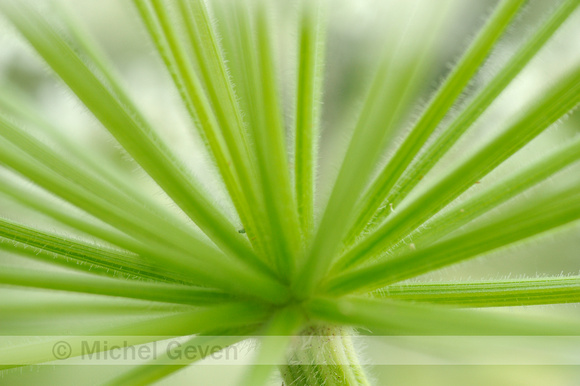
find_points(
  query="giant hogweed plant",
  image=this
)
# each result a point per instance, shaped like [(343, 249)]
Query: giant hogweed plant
[(287, 260)]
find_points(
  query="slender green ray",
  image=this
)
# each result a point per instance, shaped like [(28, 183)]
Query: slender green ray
[(543, 215), (222, 135), (426, 160), (156, 328), (215, 74), (116, 112), (135, 289), (324, 246), (392, 317), (161, 366), (492, 293), (38, 202), (438, 107), (74, 182), (545, 111), (311, 58), (269, 135), (499, 193), (76, 251), (201, 272)]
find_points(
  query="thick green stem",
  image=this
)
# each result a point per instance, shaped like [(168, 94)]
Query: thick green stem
[(324, 355)]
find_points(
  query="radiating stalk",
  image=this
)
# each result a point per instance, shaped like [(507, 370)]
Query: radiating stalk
[(165, 364), (436, 110), (168, 293), (544, 215), (390, 317), (121, 333), (487, 199), (311, 58), (435, 151), (541, 114), (492, 293), (207, 97), (269, 134), (118, 114)]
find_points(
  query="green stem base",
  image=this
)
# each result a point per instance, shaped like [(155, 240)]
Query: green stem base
[(324, 355)]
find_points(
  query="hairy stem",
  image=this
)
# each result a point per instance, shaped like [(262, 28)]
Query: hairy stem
[(323, 355)]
